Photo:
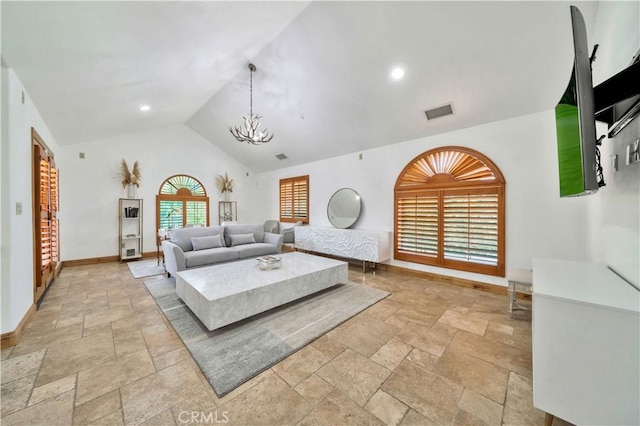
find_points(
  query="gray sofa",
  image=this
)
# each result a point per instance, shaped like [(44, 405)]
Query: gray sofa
[(197, 247)]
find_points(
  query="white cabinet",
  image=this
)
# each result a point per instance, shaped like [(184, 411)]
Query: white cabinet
[(368, 246), (130, 228), (586, 343)]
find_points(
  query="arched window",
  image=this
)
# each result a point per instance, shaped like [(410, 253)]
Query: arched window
[(450, 211), (181, 201)]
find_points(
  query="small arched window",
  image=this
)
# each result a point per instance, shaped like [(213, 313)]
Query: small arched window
[(181, 201), (450, 211)]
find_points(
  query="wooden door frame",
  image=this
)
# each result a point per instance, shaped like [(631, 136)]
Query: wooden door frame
[(39, 285)]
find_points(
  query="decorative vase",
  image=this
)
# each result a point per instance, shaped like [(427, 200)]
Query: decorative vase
[(227, 196), (131, 191)]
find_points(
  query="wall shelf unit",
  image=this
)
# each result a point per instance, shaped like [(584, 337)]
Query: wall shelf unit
[(227, 211), (130, 229)]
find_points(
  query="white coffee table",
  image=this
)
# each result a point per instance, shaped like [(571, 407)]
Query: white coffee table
[(223, 294)]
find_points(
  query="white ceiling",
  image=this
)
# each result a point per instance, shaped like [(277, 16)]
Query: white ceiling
[(322, 85)]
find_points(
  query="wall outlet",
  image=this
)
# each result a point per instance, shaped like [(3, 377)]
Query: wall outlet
[(18, 208)]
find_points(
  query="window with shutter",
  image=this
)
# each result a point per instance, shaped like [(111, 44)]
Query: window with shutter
[(449, 211), (45, 222), (294, 199), (181, 200)]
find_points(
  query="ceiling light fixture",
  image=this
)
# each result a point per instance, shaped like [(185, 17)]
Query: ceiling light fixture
[(250, 132), (145, 107), (397, 73)]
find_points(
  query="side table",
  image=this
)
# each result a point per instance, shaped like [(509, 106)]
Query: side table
[(162, 235), (520, 281)]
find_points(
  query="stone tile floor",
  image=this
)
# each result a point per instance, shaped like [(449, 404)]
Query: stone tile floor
[(99, 351)]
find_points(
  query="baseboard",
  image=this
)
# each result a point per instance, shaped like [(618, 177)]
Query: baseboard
[(445, 279), (89, 261), (149, 255), (13, 337), (105, 259)]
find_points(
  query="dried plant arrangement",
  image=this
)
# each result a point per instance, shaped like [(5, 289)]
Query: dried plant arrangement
[(132, 177), (225, 184)]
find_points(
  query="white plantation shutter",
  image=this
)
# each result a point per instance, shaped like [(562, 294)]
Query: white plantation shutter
[(449, 211), (294, 199)]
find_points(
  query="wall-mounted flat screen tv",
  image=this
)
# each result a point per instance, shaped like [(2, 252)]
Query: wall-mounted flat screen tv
[(575, 121)]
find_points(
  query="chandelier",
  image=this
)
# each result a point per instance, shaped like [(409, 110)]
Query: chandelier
[(250, 133)]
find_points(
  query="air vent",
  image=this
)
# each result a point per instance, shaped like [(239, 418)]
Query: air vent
[(440, 111), (281, 157)]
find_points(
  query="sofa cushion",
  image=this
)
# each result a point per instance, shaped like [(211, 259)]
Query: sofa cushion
[(240, 239), (201, 243), (256, 230), (209, 256), (182, 236), (254, 250)]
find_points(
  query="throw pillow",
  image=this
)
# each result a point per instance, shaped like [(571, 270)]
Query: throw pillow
[(202, 243), (239, 239)]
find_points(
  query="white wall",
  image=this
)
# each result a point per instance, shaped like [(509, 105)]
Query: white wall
[(17, 230), (614, 219), (539, 223), (90, 187)]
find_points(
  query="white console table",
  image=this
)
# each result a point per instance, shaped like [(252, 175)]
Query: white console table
[(364, 245), (586, 343)]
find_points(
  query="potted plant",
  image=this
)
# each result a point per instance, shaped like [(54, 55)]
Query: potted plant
[(226, 185), (130, 179)]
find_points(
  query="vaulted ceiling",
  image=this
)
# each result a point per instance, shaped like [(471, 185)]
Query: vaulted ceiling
[(323, 82)]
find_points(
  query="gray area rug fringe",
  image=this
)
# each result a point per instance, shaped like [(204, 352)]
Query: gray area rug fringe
[(230, 356)]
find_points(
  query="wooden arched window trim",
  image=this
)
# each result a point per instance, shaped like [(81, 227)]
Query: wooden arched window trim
[(424, 219), (185, 193)]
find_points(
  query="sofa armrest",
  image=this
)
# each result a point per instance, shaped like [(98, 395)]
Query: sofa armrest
[(275, 239), (288, 235), (173, 257)]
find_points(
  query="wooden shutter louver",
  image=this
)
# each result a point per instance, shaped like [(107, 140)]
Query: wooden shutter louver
[(417, 230), (471, 228), (294, 199), (196, 212), (45, 205), (181, 183), (449, 211)]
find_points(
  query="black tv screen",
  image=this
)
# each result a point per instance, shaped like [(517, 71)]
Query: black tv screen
[(575, 121)]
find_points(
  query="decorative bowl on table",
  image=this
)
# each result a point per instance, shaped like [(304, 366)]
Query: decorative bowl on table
[(269, 262)]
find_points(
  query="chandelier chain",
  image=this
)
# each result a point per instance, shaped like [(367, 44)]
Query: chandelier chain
[(250, 133), (250, 90)]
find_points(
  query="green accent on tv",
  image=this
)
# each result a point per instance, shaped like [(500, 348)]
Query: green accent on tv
[(569, 150)]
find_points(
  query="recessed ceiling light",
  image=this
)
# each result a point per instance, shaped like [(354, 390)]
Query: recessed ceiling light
[(145, 107), (397, 73)]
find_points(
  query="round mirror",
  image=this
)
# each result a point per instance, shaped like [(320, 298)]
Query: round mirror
[(344, 208)]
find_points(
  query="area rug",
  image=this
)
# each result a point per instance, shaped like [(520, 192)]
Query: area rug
[(145, 268), (230, 356)]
